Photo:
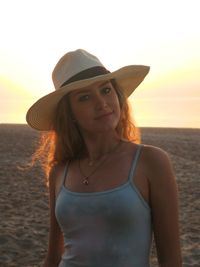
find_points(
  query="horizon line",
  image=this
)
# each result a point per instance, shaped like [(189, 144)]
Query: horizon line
[(164, 127)]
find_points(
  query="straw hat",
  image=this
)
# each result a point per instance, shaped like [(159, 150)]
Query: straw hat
[(76, 70)]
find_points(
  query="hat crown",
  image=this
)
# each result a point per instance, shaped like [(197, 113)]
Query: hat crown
[(71, 64)]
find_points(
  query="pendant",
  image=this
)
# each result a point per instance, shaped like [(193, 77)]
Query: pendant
[(91, 163), (85, 181)]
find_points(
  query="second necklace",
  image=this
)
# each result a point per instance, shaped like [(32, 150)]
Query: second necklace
[(86, 177)]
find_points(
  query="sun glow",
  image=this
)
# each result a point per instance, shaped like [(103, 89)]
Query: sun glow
[(164, 35)]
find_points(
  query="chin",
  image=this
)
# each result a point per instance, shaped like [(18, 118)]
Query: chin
[(106, 128), (103, 126)]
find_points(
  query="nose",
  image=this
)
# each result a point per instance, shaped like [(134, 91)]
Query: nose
[(100, 102)]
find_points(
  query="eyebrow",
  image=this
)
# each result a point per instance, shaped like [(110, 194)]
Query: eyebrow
[(82, 91)]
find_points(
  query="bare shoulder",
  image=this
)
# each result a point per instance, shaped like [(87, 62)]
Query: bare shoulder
[(55, 173), (55, 177), (157, 163), (153, 153)]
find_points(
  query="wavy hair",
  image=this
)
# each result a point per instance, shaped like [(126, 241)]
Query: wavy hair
[(65, 142)]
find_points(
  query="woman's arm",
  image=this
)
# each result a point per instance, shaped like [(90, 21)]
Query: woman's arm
[(165, 208), (55, 247)]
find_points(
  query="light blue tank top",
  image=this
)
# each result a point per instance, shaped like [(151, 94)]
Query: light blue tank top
[(110, 228)]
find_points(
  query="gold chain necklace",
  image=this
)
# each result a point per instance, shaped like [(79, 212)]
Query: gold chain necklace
[(86, 177)]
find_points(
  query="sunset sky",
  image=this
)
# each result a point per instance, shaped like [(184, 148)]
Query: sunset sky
[(165, 35)]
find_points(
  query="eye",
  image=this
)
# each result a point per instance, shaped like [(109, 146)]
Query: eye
[(106, 90), (84, 98)]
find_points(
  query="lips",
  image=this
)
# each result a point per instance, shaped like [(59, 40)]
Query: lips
[(103, 115)]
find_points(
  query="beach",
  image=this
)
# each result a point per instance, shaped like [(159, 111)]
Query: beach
[(24, 214)]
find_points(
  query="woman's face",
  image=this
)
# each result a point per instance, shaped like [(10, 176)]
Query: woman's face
[(95, 108)]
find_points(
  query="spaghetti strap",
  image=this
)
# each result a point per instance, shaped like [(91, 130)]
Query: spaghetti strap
[(134, 162), (65, 172)]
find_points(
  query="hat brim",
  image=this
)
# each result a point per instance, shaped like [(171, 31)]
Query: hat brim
[(41, 113)]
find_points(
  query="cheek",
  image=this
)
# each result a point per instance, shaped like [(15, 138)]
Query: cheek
[(82, 116), (117, 115), (116, 107), (78, 112)]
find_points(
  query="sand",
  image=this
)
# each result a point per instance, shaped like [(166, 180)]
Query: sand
[(24, 214)]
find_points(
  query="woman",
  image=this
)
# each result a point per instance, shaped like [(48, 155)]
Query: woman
[(107, 192)]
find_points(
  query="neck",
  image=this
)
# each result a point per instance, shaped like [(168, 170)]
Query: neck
[(100, 145)]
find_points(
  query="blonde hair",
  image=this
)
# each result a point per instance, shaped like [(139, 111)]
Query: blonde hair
[(65, 142)]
